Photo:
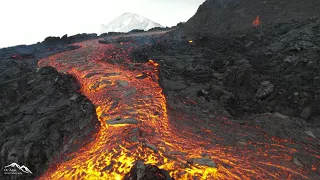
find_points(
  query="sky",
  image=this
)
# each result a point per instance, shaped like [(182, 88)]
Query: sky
[(31, 21)]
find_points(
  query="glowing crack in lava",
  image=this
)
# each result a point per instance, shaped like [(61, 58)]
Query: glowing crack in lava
[(135, 125), (256, 22)]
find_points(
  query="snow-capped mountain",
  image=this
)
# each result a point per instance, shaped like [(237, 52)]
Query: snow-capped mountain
[(127, 22)]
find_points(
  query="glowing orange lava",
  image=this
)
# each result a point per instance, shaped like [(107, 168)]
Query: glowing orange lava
[(119, 92), (257, 21)]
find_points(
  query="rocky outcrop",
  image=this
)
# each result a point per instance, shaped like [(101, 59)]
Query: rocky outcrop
[(42, 118), (265, 89), (69, 39), (141, 171)]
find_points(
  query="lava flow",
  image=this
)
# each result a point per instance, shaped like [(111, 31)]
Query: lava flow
[(135, 125)]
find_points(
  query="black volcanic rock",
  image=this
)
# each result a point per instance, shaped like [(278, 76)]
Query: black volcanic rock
[(42, 118), (80, 37), (136, 30), (223, 16), (51, 40), (141, 171), (284, 54), (69, 39)]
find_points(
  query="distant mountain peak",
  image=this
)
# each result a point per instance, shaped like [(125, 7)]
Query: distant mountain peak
[(130, 13), (127, 22)]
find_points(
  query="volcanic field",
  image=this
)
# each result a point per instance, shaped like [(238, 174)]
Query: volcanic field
[(165, 104)]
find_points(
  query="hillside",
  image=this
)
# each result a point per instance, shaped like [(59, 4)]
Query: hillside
[(218, 16)]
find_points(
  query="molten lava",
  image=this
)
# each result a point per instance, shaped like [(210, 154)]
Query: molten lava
[(120, 93), (256, 22)]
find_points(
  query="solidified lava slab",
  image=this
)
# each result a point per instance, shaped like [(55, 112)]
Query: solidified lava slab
[(42, 119), (166, 139)]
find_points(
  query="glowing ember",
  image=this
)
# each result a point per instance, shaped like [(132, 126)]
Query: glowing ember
[(21, 57), (256, 22), (190, 41), (147, 132)]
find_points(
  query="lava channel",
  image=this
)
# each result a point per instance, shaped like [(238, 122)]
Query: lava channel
[(131, 108)]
